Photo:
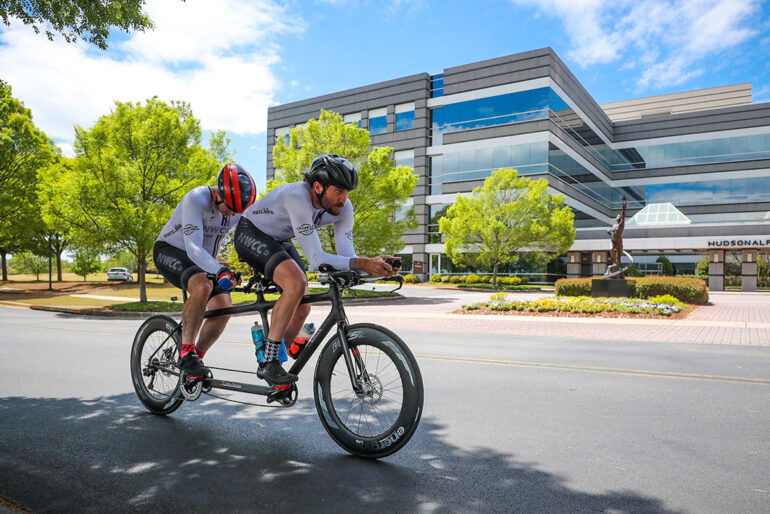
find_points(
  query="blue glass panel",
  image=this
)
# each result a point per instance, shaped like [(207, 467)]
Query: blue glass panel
[(539, 98), (484, 159), (405, 120), (501, 156), (556, 103), (378, 125)]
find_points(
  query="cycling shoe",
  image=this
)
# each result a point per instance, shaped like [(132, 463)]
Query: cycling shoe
[(274, 374), (192, 365)]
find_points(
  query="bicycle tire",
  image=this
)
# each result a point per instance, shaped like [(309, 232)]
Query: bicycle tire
[(158, 338), (389, 418)]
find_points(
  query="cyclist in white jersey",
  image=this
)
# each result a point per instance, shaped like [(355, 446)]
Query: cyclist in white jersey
[(296, 211), (185, 254)]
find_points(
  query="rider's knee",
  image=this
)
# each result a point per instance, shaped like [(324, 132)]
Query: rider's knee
[(199, 288)]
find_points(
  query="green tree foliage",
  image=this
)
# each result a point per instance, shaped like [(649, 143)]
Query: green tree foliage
[(86, 262), (131, 169), (702, 270), (669, 270), (383, 188), (77, 18), (505, 216), (28, 262), (59, 232), (23, 151)]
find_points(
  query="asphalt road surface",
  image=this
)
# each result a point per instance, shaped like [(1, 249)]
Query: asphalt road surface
[(510, 424)]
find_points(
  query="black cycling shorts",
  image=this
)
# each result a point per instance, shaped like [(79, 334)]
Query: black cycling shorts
[(261, 251), (174, 264)]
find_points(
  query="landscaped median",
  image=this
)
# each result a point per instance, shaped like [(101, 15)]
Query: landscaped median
[(665, 306), (650, 297)]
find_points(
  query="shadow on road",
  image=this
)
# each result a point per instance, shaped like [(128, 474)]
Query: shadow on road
[(109, 455)]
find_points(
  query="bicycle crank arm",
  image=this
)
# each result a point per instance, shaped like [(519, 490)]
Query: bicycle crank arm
[(238, 386)]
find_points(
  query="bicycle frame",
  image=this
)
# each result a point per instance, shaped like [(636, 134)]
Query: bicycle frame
[(336, 317)]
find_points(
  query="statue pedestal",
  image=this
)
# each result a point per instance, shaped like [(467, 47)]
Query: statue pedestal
[(609, 287)]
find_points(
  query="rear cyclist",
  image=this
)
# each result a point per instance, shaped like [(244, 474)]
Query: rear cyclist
[(185, 252), (264, 236)]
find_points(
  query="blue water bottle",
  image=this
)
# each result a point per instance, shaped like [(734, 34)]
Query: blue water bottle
[(258, 337)]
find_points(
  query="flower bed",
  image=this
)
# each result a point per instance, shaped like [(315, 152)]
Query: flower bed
[(665, 306), (690, 290)]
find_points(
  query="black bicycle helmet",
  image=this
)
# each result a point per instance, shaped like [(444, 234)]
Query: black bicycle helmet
[(236, 187), (333, 170)]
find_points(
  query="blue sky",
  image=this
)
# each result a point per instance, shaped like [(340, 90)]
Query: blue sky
[(231, 59)]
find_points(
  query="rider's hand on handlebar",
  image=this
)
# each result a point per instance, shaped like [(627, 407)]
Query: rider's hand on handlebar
[(378, 267), (227, 280)]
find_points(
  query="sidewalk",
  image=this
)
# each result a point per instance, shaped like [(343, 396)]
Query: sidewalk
[(729, 318)]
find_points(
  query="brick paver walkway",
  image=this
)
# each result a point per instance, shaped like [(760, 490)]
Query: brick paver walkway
[(729, 318)]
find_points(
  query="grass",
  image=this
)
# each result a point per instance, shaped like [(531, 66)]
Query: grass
[(63, 301), (151, 278)]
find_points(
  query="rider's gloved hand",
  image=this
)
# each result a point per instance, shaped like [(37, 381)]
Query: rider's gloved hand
[(226, 279)]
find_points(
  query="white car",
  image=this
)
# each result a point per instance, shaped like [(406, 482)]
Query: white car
[(121, 274)]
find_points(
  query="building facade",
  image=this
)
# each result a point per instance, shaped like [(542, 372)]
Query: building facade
[(693, 167)]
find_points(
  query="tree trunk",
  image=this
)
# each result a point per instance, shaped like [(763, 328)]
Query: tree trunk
[(494, 273), (3, 255), (141, 260), (58, 265)]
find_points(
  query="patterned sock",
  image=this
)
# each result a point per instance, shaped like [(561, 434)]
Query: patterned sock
[(200, 353), (186, 348), (271, 350)]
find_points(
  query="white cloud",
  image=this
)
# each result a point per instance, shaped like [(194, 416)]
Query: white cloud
[(663, 39), (220, 58)]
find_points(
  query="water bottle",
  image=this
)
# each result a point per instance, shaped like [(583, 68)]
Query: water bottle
[(307, 331), (258, 337)]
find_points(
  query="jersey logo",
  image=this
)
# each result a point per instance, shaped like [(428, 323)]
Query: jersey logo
[(190, 228), (262, 211), (306, 229), (349, 234)]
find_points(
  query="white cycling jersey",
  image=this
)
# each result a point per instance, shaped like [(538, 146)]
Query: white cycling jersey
[(198, 228), (287, 212)]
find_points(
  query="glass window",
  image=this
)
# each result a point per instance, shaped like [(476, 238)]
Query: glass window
[(352, 119), (404, 158), (378, 125), (405, 120)]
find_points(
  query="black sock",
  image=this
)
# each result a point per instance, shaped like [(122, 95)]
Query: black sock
[(272, 348)]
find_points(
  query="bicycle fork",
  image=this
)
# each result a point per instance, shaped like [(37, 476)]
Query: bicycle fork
[(350, 357)]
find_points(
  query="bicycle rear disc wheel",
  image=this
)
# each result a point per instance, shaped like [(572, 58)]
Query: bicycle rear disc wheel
[(154, 373), (380, 420)]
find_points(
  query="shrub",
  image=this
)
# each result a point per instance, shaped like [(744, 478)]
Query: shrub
[(411, 279), (486, 279), (702, 269), (689, 290), (472, 279), (666, 298), (456, 279), (435, 278), (573, 287), (524, 280), (312, 277), (445, 279)]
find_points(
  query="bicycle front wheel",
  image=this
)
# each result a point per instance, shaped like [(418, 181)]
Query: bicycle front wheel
[(153, 364), (382, 418)]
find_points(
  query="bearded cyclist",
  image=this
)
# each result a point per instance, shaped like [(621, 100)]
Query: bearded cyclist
[(185, 254), (264, 236)]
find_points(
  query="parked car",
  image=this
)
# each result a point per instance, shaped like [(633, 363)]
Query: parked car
[(121, 274)]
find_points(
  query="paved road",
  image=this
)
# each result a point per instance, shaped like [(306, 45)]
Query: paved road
[(536, 424)]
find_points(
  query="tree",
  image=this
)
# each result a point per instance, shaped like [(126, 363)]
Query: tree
[(509, 214), (668, 269), (702, 270), (48, 194), (28, 262), (86, 262), (383, 188), (78, 18), (23, 151), (131, 169)]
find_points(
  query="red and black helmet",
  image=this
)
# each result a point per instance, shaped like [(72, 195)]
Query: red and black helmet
[(236, 187)]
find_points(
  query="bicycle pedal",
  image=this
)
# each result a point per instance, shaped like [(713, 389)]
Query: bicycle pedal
[(285, 394)]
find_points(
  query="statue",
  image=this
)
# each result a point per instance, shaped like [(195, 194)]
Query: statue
[(615, 268)]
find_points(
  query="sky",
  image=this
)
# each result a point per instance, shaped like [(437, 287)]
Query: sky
[(232, 59)]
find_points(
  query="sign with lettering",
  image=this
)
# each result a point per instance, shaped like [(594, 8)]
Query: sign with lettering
[(417, 266), (738, 242)]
